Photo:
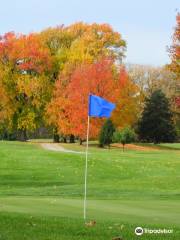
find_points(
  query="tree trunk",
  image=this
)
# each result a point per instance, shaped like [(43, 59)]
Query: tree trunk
[(80, 141), (55, 136), (71, 139), (22, 135), (123, 147), (64, 140)]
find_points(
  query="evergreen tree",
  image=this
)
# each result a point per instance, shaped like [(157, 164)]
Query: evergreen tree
[(156, 124), (106, 133)]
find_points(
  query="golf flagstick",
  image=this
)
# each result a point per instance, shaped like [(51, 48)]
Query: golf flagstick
[(86, 168), (98, 107)]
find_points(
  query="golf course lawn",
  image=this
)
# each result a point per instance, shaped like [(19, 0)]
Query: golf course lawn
[(41, 192)]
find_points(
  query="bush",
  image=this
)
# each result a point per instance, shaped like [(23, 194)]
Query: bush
[(106, 134), (126, 135)]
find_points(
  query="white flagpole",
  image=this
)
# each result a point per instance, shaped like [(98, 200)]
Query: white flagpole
[(86, 167)]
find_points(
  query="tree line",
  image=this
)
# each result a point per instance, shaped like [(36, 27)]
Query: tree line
[(45, 79)]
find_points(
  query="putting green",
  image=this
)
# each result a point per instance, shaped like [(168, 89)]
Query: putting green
[(154, 212)]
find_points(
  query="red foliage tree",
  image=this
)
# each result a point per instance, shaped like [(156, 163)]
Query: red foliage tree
[(69, 107), (175, 49), (25, 52)]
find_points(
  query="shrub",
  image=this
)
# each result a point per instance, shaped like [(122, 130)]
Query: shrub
[(126, 135), (106, 134)]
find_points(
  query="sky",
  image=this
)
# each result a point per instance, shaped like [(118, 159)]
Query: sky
[(146, 25)]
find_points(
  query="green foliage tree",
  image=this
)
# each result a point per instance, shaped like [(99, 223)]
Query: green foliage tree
[(156, 124), (126, 135), (106, 134)]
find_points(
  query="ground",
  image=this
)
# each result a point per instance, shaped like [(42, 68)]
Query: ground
[(41, 192)]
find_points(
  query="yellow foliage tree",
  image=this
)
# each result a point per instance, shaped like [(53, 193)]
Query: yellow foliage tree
[(128, 104)]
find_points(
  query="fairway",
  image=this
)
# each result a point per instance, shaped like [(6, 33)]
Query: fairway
[(41, 192)]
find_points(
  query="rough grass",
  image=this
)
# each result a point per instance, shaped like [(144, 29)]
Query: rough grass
[(41, 192)]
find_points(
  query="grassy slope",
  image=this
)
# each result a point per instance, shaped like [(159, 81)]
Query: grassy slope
[(42, 190)]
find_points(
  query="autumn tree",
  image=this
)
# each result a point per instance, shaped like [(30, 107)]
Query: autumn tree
[(93, 41), (174, 51), (87, 45), (150, 79), (76, 45), (69, 107), (24, 65), (128, 103), (80, 43), (58, 40), (32, 65)]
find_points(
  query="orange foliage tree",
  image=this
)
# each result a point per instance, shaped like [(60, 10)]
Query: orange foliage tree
[(175, 68), (128, 101), (69, 107), (24, 66), (77, 46), (175, 49)]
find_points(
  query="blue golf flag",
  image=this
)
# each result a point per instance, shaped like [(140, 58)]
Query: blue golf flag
[(99, 107)]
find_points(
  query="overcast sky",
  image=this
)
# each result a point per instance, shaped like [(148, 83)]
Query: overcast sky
[(146, 25)]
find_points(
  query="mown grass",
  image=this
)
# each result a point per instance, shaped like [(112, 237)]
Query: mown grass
[(41, 192), (162, 146)]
